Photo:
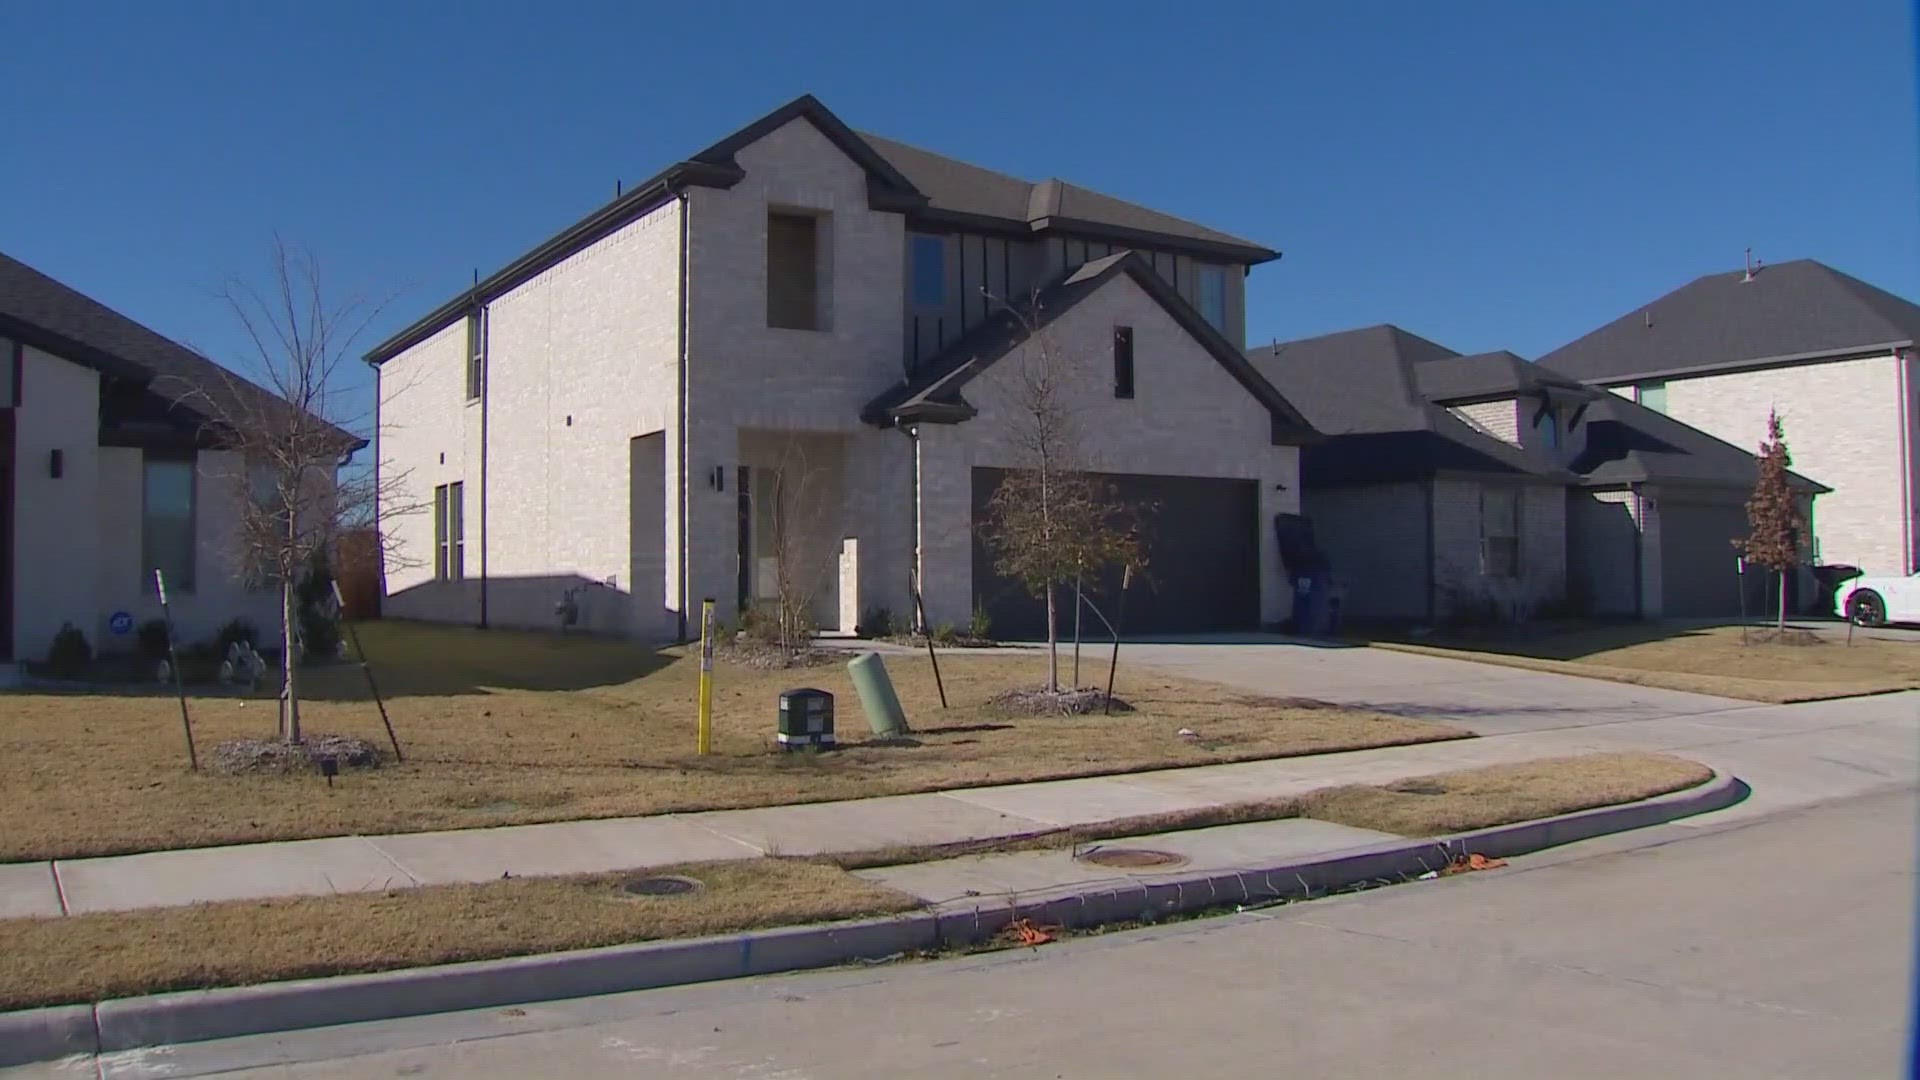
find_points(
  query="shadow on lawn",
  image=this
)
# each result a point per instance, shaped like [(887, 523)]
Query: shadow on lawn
[(412, 659)]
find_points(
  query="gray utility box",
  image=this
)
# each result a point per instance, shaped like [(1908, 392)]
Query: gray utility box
[(806, 719)]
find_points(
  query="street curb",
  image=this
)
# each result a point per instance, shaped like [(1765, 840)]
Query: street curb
[(198, 1015)]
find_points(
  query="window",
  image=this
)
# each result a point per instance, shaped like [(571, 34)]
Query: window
[(1123, 361), (166, 519), (1550, 427), (1211, 295), (1500, 532), (449, 533), (929, 271), (476, 353), (793, 271), (1653, 395)]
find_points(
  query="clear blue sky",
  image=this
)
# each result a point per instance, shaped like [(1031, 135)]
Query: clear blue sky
[(1492, 175)]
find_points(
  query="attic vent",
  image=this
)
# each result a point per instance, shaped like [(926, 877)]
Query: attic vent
[(1753, 266)]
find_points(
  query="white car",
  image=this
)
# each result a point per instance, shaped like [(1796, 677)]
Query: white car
[(1878, 599)]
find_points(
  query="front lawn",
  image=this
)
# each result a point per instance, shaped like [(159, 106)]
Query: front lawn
[(1710, 660), (504, 728)]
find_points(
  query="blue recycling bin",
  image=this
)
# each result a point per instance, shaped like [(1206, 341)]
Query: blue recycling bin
[(1314, 609)]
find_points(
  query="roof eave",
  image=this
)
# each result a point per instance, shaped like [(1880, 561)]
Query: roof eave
[(1851, 352)]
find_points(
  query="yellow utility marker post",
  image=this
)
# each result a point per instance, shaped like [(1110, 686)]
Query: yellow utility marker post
[(706, 676)]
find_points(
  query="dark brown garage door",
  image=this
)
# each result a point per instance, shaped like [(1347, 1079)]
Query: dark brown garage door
[(1203, 562)]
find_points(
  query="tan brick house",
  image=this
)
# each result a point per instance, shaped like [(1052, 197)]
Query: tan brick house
[(1833, 354), (605, 425)]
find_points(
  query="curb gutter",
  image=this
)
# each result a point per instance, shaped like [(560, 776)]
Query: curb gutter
[(193, 1016)]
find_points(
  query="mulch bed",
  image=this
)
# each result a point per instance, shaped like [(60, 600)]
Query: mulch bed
[(275, 757), (1039, 701)]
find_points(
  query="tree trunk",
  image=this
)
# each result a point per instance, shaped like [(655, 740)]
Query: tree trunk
[(1053, 646), (289, 662)]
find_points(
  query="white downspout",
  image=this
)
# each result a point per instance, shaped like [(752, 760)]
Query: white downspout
[(1901, 359)]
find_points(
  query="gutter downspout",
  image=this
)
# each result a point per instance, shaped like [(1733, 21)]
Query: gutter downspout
[(919, 540), (1640, 554), (486, 496), (1901, 359), (680, 414)]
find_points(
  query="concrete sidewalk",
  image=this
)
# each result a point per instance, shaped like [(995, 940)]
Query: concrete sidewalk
[(1792, 755)]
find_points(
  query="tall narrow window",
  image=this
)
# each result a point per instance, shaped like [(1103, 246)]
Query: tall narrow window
[(1500, 532), (1123, 361), (929, 269), (1210, 290), (793, 271), (166, 519), (449, 533), (1653, 395), (476, 353)]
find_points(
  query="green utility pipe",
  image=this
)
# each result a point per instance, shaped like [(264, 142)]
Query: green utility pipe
[(882, 705)]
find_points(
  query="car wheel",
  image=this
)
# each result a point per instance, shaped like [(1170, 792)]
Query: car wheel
[(1866, 608)]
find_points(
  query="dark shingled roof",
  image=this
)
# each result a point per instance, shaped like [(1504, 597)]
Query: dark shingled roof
[(175, 383), (1629, 443), (959, 187), (934, 393), (1794, 310), (1461, 380), (1359, 388)]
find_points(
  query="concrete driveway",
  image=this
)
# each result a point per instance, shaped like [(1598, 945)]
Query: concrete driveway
[(1487, 698)]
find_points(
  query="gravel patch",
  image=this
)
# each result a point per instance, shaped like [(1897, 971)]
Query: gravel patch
[(277, 758), (1039, 701)]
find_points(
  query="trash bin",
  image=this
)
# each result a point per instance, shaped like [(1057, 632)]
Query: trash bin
[(1313, 604), (806, 720)]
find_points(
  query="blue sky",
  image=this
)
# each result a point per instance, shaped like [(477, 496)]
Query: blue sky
[(1492, 175)]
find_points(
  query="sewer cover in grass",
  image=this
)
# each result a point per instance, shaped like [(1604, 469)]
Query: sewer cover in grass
[(664, 885), (1131, 858)]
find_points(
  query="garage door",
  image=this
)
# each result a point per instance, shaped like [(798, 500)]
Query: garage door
[(1698, 569), (1203, 561)]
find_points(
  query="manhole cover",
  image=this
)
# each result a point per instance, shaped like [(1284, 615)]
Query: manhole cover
[(1421, 789), (1131, 858), (659, 886)]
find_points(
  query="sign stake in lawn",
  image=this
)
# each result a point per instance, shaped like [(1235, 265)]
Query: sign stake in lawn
[(704, 740), (367, 670), (173, 661)]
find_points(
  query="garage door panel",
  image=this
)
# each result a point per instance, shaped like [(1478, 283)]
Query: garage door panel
[(1203, 565)]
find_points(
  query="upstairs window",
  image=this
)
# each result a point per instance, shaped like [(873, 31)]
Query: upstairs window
[(476, 353), (793, 270), (928, 270), (168, 494), (1123, 361), (1653, 395), (1210, 295), (1500, 532), (449, 532), (1550, 428)]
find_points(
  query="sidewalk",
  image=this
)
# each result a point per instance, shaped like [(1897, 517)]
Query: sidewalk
[(1792, 755)]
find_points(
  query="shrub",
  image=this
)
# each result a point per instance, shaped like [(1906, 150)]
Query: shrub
[(239, 628), (153, 638), (877, 622), (70, 653), (316, 612), (981, 625), (945, 634)]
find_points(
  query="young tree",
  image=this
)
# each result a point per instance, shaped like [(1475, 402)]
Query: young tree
[(1774, 512), (803, 517), (1051, 521), (287, 434)]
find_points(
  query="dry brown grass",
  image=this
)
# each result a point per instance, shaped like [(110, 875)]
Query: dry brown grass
[(505, 728), (94, 957), (1502, 794), (1712, 660)]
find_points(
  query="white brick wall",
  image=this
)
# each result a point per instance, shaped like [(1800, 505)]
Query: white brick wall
[(1500, 419), (1456, 546), (1188, 417), (429, 435), (1842, 423)]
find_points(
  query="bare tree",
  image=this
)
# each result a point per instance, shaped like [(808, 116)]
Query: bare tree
[(1779, 525), (802, 515), (1051, 521), (288, 434)]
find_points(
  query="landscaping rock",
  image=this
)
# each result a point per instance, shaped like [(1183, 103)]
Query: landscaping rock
[(277, 758), (1039, 701), (765, 657)]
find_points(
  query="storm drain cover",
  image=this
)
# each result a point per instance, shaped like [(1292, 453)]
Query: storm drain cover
[(665, 885), (1420, 789), (1131, 858)]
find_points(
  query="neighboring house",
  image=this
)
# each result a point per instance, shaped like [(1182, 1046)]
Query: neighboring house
[(800, 337), (1528, 491), (109, 468), (1833, 354)]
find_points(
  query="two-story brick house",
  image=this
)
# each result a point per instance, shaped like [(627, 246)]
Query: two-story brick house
[(809, 317), (1832, 354)]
